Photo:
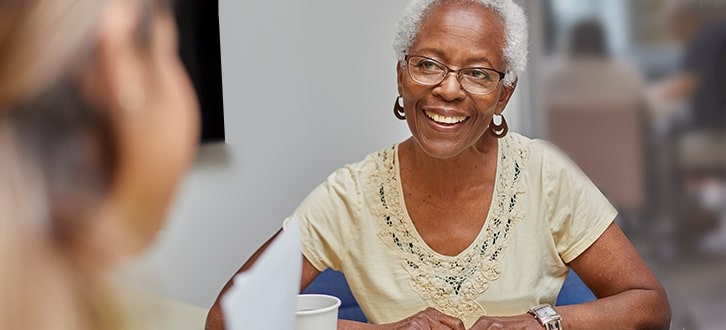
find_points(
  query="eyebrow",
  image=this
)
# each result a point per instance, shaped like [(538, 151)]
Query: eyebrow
[(440, 55)]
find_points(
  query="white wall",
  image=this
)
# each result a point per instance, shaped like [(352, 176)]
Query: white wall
[(308, 86)]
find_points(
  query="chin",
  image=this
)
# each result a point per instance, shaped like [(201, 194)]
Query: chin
[(441, 150)]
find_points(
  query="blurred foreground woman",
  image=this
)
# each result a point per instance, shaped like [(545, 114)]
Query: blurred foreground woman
[(98, 123)]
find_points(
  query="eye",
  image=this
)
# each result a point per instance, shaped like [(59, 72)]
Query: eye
[(479, 75), (428, 65)]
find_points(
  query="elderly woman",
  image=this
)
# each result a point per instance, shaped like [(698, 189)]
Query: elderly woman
[(98, 123), (463, 226)]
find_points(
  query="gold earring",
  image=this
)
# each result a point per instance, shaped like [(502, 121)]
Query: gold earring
[(498, 131), (398, 109)]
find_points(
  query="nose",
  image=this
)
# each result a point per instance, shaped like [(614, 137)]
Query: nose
[(450, 88)]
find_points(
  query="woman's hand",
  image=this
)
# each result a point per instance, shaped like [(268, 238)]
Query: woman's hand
[(525, 321), (428, 319)]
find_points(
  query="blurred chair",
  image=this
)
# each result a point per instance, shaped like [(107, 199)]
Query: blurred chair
[(702, 153), (593, 111), (699, 206), (332, 282), (607, 141)]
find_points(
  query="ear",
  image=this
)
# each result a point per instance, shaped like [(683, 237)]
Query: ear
[(119, 65), (399, 74), (504, 97)]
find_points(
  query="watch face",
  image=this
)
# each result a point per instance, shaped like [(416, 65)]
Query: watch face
[(547, 316), (546, 311)]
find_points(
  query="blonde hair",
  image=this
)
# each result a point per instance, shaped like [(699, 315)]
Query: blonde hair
[(39, 40), (57, 157)]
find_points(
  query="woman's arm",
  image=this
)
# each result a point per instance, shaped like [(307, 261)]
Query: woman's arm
[(215, 319), (629, 295)]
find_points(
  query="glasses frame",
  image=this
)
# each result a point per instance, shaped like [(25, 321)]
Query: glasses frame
[(450, 70)]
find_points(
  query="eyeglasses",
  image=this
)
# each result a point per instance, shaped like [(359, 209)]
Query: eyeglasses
[(430, 72)]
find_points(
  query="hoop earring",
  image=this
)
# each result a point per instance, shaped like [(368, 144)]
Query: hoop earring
[(498, 131), (398, 109)]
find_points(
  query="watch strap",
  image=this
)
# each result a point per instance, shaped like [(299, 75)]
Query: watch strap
[(556, 325)]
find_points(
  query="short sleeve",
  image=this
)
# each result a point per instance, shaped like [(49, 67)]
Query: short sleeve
[(326, 216), (578, 212)]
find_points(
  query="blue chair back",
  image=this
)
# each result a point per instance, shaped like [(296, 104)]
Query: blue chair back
[(574, 291), (333, 283)]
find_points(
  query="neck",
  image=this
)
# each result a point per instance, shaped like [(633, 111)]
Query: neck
[(450, 177)]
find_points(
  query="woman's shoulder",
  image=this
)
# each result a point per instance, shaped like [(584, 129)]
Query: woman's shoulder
[(372, 162), (537, 151), (517, 141), (386, 155)]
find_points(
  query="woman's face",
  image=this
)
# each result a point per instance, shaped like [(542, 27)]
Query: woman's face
[(158, 141), (459, 35)]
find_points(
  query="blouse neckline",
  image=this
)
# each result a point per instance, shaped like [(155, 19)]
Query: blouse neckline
[(452, 284), (409, 221)]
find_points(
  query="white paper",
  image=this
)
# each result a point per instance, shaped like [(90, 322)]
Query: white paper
[(265, 296)]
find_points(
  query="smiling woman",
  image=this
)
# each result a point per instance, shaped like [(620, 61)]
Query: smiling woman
[(441, 124), (464, 225)]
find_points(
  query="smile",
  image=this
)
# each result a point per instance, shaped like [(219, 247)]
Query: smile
[(446, 120)]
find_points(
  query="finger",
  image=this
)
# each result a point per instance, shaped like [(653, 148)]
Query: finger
[(414, 322), (440, 318), (453, 323), (421, 321)]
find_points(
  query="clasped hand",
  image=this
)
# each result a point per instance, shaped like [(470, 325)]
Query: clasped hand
[(432, 319)]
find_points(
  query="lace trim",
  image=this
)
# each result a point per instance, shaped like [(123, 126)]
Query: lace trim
[(452, 284)]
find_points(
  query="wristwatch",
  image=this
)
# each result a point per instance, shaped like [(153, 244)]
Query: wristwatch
[(547, 316)]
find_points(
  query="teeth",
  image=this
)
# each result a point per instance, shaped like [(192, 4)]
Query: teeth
[(444, 119)]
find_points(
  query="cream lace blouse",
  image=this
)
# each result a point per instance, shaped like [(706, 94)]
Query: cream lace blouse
[(544, 213)]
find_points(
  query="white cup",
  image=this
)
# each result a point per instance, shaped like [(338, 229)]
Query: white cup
[(316, 312)]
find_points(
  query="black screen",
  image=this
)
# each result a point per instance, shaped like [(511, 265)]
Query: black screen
[(198, 26)]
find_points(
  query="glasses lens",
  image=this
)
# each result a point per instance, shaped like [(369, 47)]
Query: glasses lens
[(425, 70), (479, 81)]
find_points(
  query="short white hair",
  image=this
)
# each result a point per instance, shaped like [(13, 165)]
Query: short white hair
[(515, 29)]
